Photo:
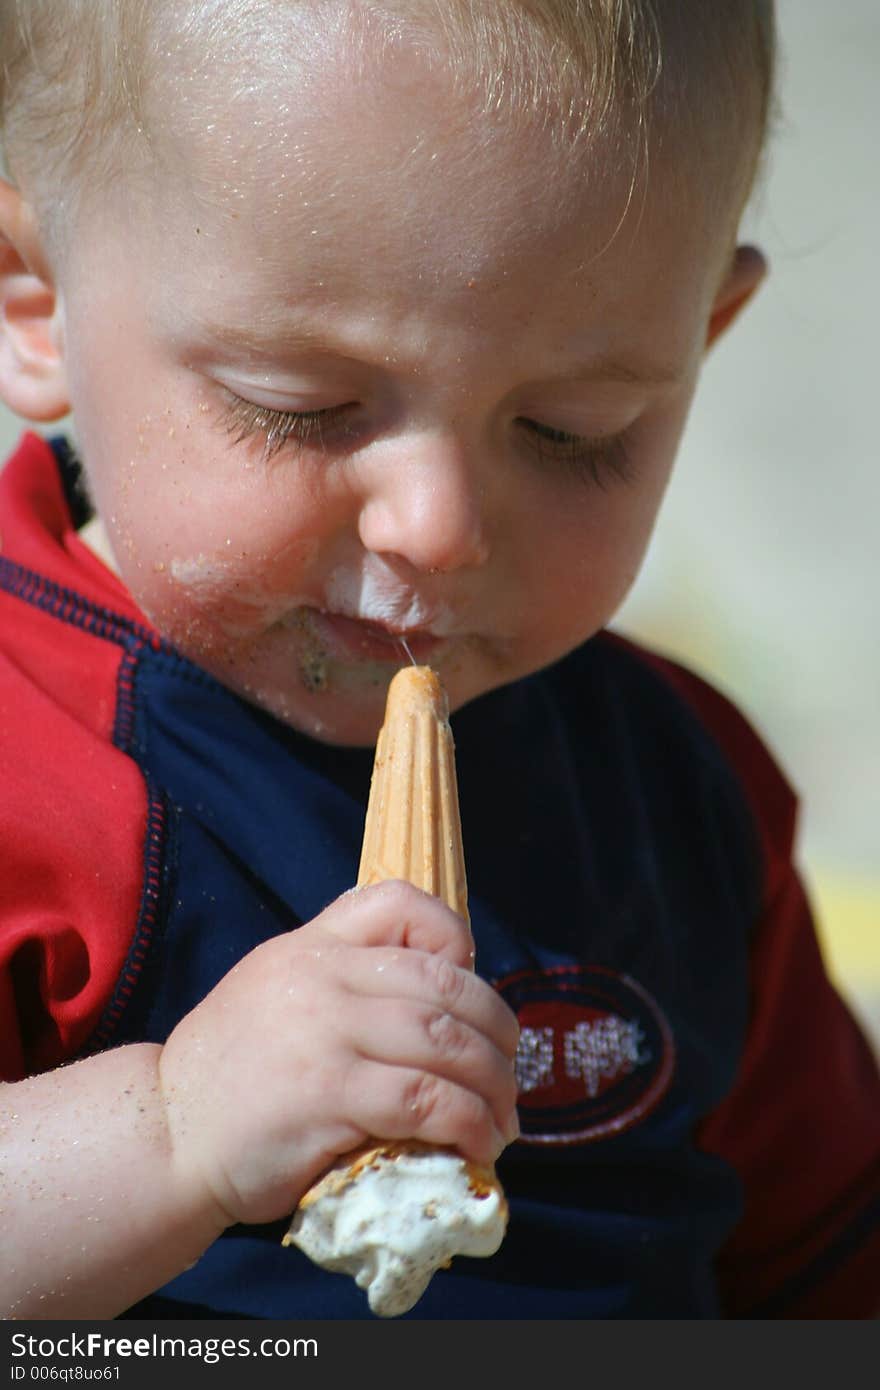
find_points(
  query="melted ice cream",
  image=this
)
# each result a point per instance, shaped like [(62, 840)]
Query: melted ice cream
[(392, 1217)]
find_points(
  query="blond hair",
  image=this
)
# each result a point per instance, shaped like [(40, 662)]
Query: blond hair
[(74, 73)]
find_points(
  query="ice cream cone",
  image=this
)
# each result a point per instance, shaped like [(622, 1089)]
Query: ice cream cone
[(413, 827), (394, 1212)]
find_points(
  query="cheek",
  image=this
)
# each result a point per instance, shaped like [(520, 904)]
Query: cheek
[(168, 479), (233, 592), (587, 558), (207, 551)]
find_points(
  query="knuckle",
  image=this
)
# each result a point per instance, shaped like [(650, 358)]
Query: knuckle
[(465, 937), (397, 895), (448, 1037), (460, 941), (447, 979), (423, 1098)]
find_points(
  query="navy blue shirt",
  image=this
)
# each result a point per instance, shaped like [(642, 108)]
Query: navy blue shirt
[(613, 881)]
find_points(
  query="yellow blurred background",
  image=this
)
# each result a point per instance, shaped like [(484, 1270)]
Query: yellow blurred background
[(763, 571)]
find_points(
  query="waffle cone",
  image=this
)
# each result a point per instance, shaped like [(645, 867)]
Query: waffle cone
[(413, 827)]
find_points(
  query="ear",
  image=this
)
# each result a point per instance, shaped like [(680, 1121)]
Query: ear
[(743, 277), (33, 381)]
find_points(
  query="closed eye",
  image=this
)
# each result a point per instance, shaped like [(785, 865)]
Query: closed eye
[(597, 460), (245, 420)]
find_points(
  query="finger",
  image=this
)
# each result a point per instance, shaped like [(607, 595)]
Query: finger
[(432, 982), (397, 914), (404, 1103), (437, 1042)]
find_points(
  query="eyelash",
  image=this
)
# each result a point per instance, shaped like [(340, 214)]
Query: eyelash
[(596, 461), (243, 420)]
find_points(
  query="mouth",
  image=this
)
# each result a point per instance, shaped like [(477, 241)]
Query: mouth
[(360, 639)]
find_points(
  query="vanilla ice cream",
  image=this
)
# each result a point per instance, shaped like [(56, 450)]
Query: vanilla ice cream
[(394, 1214)]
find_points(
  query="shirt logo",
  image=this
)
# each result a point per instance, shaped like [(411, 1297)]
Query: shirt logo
[(595, 1053)]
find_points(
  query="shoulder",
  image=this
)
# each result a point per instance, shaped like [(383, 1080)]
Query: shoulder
[(74, 810), (73, 823), (806, 1244), (686, 711)]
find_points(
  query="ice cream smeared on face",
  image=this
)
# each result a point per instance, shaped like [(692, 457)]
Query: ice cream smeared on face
[(311, 657), (320, 670), (373, 593), (199, 572), (220, 587), (240, 613), (394, 1214)]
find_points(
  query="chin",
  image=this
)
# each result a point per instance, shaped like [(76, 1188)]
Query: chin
[(343, 720), (342, 703)]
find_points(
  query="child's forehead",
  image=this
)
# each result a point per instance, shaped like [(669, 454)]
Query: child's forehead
[(400, 144), (311, 61), (181, 77), (379, 197), (401, 140), (270, 85)]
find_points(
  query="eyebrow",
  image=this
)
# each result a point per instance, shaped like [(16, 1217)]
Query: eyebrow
[(266, 338), (635, 373), (296, 337)]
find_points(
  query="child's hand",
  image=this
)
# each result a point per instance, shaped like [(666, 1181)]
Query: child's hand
[(366, 1022)]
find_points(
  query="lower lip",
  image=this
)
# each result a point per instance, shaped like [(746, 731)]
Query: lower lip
[(353, 639)]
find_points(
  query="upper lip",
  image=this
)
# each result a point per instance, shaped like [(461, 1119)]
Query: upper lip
[(394, 630), (384, 626)]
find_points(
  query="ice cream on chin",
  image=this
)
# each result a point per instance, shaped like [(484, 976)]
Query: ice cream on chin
[(394, 1212)]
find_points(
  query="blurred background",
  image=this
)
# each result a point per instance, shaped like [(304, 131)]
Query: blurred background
[(763, 574)]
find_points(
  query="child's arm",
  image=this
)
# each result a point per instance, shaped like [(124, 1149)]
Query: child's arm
[(95, 1210), (117, 1172)]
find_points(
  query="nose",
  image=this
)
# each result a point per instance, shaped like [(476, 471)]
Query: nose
[(423, 501)]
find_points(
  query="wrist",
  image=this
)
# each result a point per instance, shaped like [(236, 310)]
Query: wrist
[(188, 1161)]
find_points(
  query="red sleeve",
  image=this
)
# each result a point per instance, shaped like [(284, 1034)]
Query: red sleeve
[(73, 839), (801, 1125), (77, 831)]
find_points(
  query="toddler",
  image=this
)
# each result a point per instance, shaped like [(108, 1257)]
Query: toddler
[(379, 323)]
